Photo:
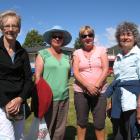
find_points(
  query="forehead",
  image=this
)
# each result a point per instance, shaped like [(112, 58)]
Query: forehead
[(10, 20), (126, 32)]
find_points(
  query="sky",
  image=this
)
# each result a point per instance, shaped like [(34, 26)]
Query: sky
[(102, 15)]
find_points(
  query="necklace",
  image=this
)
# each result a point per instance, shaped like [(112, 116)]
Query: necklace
[(88, 56)]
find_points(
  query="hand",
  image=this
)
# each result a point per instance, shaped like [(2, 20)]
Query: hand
[(93, 90), (14, 105)]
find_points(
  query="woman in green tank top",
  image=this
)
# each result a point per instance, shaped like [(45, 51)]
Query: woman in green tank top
[(54, 66)]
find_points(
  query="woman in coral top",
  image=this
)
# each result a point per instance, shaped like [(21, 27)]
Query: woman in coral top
[(90, 65)]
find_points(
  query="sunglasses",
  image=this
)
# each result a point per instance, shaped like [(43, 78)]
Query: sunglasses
[(57, 36), (85, 36)]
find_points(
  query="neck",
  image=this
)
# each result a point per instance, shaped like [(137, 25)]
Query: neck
[(9, 44), (88, 48), (56, 50)]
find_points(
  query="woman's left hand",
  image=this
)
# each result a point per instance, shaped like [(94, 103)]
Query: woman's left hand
[(14, 105)]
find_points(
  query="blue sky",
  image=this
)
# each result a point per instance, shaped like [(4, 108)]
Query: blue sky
[(102, 15)]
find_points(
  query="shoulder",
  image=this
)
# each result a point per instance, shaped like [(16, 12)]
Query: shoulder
[(137, 51), (101, 50), (77, 52), (44, 53)]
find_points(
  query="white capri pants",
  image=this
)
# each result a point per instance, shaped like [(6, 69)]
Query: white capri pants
[(10, 130)]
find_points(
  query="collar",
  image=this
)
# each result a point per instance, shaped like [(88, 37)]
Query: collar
[(17, 45), (134, 50)]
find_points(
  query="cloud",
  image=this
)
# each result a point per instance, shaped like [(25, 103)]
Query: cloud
[(106, 39), (110, 35)]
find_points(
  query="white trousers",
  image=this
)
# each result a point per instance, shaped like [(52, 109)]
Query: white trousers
[(10, 130)]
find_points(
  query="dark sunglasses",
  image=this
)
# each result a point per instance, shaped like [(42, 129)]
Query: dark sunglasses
[(57, 36), (84, 36)]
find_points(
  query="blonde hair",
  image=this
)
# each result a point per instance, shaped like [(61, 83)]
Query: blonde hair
[(7, 14), (86, 28)]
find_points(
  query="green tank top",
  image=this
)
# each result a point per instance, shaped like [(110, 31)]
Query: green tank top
[(56, 74)]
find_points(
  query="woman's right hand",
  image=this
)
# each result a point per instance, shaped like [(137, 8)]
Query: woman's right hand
[(92, 89)]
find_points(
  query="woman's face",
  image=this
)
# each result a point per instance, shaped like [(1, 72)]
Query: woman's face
[(87, 39), (10, 28), (57, 40), (126, 40)]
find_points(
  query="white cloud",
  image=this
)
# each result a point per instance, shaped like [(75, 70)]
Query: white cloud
[(110, 35), (107, 39)]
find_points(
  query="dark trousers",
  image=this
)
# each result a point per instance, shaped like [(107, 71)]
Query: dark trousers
[(124, 128)]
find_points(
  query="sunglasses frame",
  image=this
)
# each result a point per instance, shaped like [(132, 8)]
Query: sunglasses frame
[(60, 37), (88, 35)]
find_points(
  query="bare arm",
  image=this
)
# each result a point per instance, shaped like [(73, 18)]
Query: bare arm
[(39, 65), (105, 66)]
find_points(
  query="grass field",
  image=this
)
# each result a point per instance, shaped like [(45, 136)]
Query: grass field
[(71, 123)]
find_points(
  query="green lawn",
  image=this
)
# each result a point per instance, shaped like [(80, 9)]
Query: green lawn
[(71, 123)]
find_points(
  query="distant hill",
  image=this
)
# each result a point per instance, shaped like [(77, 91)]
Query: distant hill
[(114, 50)]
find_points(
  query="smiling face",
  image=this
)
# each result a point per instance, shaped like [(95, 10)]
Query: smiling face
[(57, 40), (10, 28), (87, 39), (86, 35), (126, 41)]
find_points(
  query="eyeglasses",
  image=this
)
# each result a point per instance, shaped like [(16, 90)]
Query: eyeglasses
[(7, 27), (57, 36), (88, 35)]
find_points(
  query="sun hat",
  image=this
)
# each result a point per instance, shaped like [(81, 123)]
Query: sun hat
[(57, 29)]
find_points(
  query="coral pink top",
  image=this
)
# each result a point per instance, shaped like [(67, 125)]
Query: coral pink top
[(90, 68)]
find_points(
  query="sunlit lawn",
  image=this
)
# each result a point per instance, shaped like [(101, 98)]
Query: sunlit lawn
[(71, 123)]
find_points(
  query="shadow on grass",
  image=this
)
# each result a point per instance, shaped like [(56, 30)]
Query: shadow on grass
[(71, 133)]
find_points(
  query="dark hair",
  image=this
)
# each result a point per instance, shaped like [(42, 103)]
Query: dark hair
[(125, 27)]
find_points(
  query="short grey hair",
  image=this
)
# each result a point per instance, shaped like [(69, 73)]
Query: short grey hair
[(9, 13)]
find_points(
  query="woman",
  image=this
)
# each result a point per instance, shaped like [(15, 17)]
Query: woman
[(126, 86), (90, 66), (54, 66), (15, 78)]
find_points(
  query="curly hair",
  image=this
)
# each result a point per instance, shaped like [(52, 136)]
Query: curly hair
[(125, 27)]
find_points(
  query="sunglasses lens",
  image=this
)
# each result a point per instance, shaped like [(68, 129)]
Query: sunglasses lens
[(84, 36), (57, 36)]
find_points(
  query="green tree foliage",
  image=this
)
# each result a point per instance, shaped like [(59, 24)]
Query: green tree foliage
[(77, 44), (114, 50), (33, 39)]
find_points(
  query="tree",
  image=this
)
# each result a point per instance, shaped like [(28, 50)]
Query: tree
[(33, 39), (78, 44), (114, 50)]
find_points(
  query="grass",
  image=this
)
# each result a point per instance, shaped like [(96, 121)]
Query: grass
[(71, 133)]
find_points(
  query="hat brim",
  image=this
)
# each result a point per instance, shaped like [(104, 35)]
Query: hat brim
[(48, 35)]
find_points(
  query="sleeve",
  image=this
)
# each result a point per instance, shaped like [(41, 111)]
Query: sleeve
[(28, 83), (75, 53), (3, 98), (138, 67)]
